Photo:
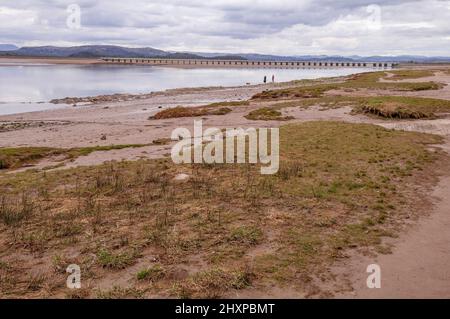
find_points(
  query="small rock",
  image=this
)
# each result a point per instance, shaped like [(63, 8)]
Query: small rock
[(103, 137)]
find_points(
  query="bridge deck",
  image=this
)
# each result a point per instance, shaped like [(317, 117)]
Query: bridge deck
[(246, 63)]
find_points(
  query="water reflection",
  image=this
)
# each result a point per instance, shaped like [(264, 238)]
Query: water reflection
[(22, 84)]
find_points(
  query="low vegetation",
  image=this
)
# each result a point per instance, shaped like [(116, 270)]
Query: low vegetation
[(220, 108), (15, 157), (340, 187), (370, 81), (267, 114), (403, 107), (388, 107), (408, 74)]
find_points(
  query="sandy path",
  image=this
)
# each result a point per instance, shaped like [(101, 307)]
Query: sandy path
[(419, 265)]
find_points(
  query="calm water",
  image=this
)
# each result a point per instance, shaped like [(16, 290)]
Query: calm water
[(25, 88)]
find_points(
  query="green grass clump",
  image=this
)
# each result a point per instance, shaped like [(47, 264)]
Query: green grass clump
[(267, 114), (212, 283), (409, 74), (219, 108), (108, 259), (16, 157), (246, 235), (181, 111), (358, 81), (401, 107), (340, 186)]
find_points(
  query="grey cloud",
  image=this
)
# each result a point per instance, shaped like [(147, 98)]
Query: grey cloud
[(265, 26)]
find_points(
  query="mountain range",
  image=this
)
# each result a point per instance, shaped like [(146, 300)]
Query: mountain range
[(95, 51)]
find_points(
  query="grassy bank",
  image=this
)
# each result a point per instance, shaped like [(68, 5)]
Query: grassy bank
[(16, 157), (340, 187), (370, 81)]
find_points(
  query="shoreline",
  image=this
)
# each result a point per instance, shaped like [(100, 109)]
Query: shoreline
[(87, 101), (18, 60)]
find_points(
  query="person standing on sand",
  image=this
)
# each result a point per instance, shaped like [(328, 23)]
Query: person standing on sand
[(265, 79), (273, 78)]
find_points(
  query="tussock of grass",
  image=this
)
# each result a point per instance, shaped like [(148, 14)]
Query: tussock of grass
[(220, 108), (212, 283), (246, 235), (181, 111), (403, 107), (267, 114), (121, 260)]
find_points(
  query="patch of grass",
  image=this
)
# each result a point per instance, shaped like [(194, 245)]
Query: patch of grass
[(339, 186), (358, 81), (392, 107), (230, 103), (162, 141), (120, 293), (181, 111), (19, 156), (121, 260), (267, 114), (12, 213), (154, 273), (220, 108), (409, 74), (251, 235), (16, 157), (402, 107), (212, 283), (312, 91)]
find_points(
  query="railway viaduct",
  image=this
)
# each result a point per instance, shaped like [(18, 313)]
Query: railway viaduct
[(246, 63)]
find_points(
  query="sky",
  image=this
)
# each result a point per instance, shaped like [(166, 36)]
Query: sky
[(282, 27)]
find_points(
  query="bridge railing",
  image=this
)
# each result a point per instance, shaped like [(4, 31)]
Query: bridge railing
[(247, 63)]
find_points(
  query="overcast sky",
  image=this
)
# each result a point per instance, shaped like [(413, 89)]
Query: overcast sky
[(285, 27)]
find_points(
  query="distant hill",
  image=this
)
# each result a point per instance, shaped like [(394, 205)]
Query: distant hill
[(88, 51), (8, 47), (96, 51)]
